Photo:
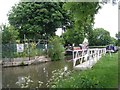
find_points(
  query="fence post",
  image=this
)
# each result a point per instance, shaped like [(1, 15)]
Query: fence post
[(104, 51), (73, 59), (98, 54)]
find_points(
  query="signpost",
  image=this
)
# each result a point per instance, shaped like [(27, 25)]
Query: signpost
[(20, 47)]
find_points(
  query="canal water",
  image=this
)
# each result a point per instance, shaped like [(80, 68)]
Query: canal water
[(42, 72)]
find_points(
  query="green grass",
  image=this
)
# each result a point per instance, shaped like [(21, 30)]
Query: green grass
[(106, 71), (104, 74)]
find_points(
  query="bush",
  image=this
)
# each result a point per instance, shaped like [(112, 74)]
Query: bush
[(57, 76), (56, 50), (68, 79), (87, 82)]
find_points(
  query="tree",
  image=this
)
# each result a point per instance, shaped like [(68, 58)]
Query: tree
[(9, 34), (37, 19), (73, 36), (118, 39), (118, 35), (99, 37), (113, 41), (83, 14)]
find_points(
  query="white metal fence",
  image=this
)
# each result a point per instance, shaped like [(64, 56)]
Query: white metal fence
[(87, 58)]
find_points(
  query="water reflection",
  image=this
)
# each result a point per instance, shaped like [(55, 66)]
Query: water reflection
[(42, 72)]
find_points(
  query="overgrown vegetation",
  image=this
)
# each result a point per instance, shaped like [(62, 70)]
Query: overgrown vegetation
[(56, 51)]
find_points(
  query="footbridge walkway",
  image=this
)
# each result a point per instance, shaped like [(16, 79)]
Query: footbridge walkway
[(86, 58)]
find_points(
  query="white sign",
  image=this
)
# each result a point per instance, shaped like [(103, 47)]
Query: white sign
[(45, 46), (20, 47)]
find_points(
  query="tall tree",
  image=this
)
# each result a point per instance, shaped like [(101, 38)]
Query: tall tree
[(99, 37), (37, 19), (73, 36), (83, 14)]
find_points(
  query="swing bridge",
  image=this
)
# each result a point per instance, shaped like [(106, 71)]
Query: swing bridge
[(85, 58)]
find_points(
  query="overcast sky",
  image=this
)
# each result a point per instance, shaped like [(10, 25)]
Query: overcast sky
[(107, 17)]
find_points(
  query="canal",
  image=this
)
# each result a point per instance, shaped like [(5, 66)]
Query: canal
[(42, 72)]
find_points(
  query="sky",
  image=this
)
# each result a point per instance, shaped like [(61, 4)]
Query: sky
[(106, 18), (5, 6)]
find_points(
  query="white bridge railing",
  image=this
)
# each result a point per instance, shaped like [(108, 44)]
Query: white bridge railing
[(86, 58)]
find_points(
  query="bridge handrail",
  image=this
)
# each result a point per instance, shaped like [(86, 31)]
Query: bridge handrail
[(96, 52)]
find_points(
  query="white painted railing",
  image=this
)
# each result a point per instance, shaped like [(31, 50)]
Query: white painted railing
[(90, 56)]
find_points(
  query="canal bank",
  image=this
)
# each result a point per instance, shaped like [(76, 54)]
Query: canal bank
[(24, 61)]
